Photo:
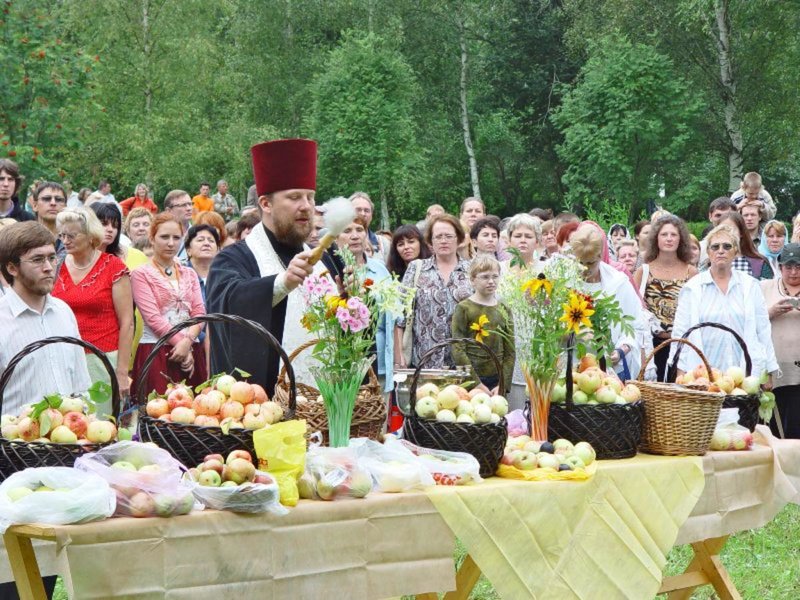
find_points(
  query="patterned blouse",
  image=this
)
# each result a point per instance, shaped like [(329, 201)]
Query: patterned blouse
[(661, 296), (434, 304)]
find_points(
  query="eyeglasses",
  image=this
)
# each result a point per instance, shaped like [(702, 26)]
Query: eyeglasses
[(70, 237), (444, 237), (488, 277), (727, 247), (183, 205), (39, 261), (49, 199), (791, 268)]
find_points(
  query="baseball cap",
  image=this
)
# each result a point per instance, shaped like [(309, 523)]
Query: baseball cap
[(790, 255)]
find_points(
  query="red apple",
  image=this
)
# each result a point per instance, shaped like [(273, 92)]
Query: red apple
[(239, 471), (157, 407), (242, 392), (232, 409), (212, 465), (259, 394), (183, 415), (239, 454), (77, 422), (180, 396)]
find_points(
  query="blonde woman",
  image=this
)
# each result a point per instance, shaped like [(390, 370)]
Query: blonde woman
[(97, 287), (524, 234)]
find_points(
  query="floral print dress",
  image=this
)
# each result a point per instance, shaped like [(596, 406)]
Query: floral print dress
[(434, 305)]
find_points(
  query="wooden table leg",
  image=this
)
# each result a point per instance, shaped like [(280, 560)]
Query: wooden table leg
[(24, 567), (706, 568), (466, 578)]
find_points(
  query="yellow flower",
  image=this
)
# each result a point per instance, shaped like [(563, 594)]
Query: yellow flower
[(479, 329), (532, 286), (333, 302), (576, 313)]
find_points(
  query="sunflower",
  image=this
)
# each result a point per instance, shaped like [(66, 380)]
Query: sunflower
[(576, 313), (479, 328), (532, 286)]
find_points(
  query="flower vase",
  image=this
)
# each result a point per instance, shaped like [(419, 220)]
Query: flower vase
[(339, 390), (540, 391)]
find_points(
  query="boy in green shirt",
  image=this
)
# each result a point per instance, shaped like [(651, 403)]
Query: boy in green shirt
[(480, 317)]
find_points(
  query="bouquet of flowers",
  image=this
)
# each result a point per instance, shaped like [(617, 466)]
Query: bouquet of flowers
[(551, 312), (345, 321)]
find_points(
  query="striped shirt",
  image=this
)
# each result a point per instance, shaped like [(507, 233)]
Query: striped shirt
[(56, 368)]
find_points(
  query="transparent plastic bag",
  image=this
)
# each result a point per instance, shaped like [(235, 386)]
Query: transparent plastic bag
[(245, 498), (334, 474), (393, 467), (732, 437), (516, 423), (77, 497), (146, 479), (447, 468)]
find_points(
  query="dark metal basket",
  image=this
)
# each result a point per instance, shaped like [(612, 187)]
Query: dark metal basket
[(16, 455), (486, 442), (748, 405), (190, 444)]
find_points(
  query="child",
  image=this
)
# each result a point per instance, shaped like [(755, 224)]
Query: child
[(497, 333)]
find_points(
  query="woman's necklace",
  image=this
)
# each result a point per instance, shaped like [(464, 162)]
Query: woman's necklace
[(89, 264), (166, 271)]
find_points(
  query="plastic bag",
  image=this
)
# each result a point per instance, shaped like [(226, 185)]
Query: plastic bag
[(516, 423), (77, 497), (446, 468), (334, 474), (393, 467), (245, 498), (732, 437), (281, 450), (147, 480)]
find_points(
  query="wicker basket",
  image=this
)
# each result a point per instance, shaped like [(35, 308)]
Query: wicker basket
[(369, 413), (747, 405), (677, 420), (486, 442), (191, 443), (613, 430), (17, 455)]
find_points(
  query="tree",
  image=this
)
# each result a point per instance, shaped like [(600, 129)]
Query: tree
[(626, 124), (42, 75), (362, 116)]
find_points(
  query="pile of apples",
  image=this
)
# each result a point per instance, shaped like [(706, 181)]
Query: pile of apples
[(58, 420), (454, 404), (18, 493), (526, 454), (235, 470), (221, 402), (591, 385), (732, 382)]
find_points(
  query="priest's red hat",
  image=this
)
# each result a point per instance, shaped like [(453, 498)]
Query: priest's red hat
[(285, 165)]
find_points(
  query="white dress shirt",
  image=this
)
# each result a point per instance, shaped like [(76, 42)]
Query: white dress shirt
[(56, 368)]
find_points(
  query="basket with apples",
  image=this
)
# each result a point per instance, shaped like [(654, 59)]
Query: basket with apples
[(146, 479), (592, 405), (559, 456), (216, 417), (233, 483), (56, 430), (677, 420), (455, 420), (742, 389)]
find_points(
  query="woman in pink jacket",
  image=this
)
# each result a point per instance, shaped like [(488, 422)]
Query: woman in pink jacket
[(166, 294)]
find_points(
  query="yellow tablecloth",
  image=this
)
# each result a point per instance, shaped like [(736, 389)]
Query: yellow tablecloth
[(607, 537)]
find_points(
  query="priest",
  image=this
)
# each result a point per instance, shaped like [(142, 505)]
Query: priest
[(259, 278)]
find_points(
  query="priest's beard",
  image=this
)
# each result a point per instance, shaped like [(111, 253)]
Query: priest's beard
[(290, 232)]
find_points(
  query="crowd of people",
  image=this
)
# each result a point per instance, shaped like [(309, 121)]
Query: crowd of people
[(120, 275)]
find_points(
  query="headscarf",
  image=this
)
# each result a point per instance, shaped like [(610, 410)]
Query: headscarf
[(764, 250)]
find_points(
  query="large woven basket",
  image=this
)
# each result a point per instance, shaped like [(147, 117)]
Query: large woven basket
[(190, 444), (747, 405), (369, 413), (613, 430), (677, 420), (16, 455), (486, 442)]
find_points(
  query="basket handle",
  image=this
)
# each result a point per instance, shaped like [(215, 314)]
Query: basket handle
[(666, 343), (748, 362), (231, 320), (33, 346), (568, 378), (373, 378), (444, 344)]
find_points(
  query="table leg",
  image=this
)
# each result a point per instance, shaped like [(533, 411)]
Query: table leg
[(466, 578), (706, 568), (24, 567)]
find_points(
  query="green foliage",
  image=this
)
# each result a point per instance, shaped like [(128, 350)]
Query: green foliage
[(625, 123), (362, 117), (607, 214)]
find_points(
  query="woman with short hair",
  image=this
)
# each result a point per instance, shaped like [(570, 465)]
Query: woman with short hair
[(725, 295), (485, 236), (97, 287), (137, 227), (524, 234)]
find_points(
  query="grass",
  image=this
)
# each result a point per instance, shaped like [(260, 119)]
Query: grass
[(763, 563)]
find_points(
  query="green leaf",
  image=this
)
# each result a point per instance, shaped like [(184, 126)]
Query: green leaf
[(99, 392), (244, 374), (44, 424)]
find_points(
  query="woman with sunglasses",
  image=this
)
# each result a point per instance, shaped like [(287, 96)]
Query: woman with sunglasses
[(97, 287), (727, 296)]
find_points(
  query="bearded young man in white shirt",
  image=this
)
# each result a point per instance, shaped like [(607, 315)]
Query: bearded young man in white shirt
[(29, 313)]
